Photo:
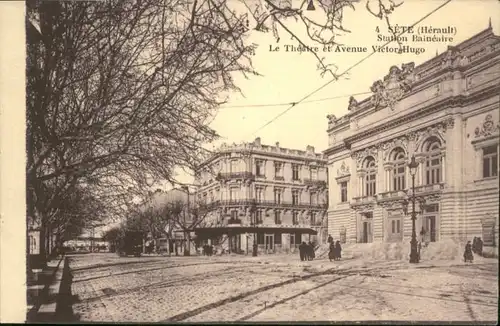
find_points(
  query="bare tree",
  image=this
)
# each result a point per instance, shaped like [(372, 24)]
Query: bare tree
[(121, 92)]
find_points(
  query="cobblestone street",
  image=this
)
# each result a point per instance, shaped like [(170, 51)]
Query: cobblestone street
[(239, 288)]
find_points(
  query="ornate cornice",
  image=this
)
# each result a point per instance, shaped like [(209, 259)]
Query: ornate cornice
[(453, 101)]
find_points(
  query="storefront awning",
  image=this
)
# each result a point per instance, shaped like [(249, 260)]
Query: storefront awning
[(238, 229)]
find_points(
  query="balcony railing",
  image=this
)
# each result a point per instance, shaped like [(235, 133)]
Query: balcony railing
[(234, 221), (391, 195), (315, 183), (263, 203), (362, 200), (425, 189), (235, 175)]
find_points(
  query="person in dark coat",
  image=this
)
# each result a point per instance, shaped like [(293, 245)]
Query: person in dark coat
[(330, 239), (338, 250), (311, 251), (468, 255), (479, 246), (474, 245), (302, 251), (331, 252)]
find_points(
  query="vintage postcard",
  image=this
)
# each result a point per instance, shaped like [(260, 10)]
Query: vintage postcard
[(250, 161)]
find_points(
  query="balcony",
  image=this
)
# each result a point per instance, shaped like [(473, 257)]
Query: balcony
[(362, 201), (315, 183), (235, 176), (279, 178), (391, 195), (427, 189), (264, 203), (234, 221)]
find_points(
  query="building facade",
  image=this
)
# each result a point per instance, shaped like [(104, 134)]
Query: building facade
[(275, 197), (445, 112)]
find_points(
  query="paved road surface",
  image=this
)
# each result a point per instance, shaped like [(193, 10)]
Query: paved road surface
[(269, 288)]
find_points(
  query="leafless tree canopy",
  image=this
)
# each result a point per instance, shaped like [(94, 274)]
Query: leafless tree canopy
[(121, 92)]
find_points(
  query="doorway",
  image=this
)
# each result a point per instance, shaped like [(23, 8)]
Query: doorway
[(366, 231), (269, 242), (235, 243), (430, 228)]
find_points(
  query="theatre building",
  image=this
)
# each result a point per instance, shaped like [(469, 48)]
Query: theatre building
[(272, 196), (445, 113)]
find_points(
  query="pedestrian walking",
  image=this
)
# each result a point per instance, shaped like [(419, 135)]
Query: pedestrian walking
[(302, 251), (331, 252), (468, 255), (312, 254), (479, 246), (338, 250), (330, 239)]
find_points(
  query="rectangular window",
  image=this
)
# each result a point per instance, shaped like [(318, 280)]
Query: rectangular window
[(313, 198), (313, 218), (433, 170), (295, 171), (292, 239), (277, 196), (234, 214), (295, 197), (233, 166), (258, 217), (277, 217), (398, 178), (259, 168), (396, 226), (277, 238), (234, 194), (490, 161), (314, 174), (343, 191), (278, 170), (259, 194), (370, 185), (260, 238), (295, 218)]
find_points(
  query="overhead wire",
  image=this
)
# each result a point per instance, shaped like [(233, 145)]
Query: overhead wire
[(294, 104)]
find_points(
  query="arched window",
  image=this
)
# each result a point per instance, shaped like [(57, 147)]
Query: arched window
[(370, 177), (432, 164), (398, 173)]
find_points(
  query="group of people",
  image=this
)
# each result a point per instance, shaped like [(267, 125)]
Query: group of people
[(476, 247), (335, 252), (306, 251), (208, 250)]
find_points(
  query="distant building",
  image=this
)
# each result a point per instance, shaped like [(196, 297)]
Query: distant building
[(445, 112), (269, 195)]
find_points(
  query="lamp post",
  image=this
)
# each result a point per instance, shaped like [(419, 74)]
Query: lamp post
[(413, 243), (254, 246), (187, 238)]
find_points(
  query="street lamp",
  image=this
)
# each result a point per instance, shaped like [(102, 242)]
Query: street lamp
[(413, 243)]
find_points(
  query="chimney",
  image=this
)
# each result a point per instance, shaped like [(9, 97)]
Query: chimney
[(310, 148), (257, 141), (278, 144)]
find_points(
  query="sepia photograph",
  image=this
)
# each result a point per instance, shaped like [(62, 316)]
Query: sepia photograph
[(250, 161)]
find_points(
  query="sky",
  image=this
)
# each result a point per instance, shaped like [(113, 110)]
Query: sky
[(288, 77)]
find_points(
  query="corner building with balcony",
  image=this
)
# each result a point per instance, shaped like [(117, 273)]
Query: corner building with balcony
[(269, 195), (445, 112)]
